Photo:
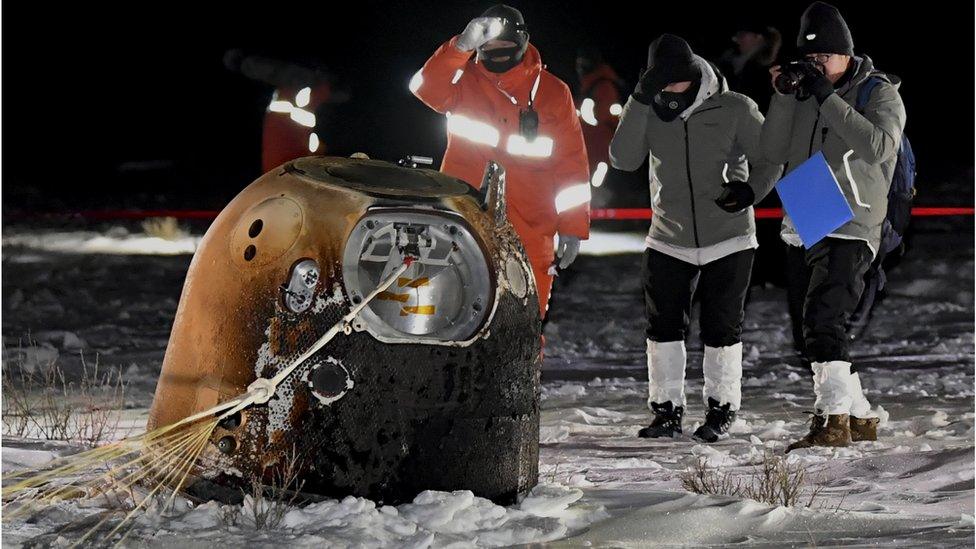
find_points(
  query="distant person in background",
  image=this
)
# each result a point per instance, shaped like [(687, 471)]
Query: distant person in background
[(294, 122), (746, 65), (599, 103)]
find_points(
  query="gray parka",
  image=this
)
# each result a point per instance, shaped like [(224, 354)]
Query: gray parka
[(860, 147), (691, 157)]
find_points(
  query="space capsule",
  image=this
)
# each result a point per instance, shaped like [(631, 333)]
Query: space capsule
[(433, 385)]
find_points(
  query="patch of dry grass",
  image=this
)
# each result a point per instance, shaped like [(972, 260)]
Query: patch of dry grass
[(775, 481), (265, 506), (167, 228), (46, 403)]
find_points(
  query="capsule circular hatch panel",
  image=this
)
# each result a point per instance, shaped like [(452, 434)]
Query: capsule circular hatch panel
[(377, 178), (446, 293)]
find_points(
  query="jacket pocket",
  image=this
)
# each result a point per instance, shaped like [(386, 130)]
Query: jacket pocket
[(850, 178)]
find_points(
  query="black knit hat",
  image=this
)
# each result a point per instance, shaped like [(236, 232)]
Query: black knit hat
[(671, 57), (823, 30)]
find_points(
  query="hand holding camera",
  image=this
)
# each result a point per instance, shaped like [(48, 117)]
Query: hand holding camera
[(788, 78), (802, 79)]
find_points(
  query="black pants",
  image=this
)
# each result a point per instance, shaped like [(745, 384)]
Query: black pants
[(825, 286), (670, 284)]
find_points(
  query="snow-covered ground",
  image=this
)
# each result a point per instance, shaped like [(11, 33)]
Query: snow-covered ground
[(601, 485), (118, 240)]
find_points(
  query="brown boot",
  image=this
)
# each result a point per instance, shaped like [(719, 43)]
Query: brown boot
[(833, 430), (864, 429)]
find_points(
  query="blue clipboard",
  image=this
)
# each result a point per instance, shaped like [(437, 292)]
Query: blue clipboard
[(814, 200)]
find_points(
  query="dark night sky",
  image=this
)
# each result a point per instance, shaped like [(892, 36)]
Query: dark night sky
[(91, 87)]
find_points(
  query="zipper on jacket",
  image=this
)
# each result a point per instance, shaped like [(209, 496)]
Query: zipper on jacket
[(691, 188)]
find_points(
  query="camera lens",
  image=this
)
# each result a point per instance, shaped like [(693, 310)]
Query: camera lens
[(786, 83), (791, 76)]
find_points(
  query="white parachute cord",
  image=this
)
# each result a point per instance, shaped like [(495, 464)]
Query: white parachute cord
[(262, 389)]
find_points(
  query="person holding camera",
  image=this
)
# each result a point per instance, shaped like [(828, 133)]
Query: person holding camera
[(815, 109), (502, 105), (701, 138)]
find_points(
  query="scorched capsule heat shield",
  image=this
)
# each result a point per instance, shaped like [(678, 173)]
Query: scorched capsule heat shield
[(434, 385)]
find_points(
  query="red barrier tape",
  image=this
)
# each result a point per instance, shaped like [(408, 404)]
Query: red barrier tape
[(595, 214)]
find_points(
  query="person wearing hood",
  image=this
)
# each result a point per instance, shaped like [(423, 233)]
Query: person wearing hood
[(860, 143), (746, 65), (502, 105), (701, 138)]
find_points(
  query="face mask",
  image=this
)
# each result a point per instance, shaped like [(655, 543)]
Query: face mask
[(668, 105), (514, 54), (512, 32)]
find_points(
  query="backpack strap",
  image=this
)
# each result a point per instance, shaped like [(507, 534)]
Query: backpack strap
[(864, 92)]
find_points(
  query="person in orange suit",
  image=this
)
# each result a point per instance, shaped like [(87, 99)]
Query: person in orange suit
[(291, 125), (502, 105), (292, 128), (599, 106)]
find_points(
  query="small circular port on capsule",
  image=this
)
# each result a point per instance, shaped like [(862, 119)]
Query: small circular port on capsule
[(227, 445)]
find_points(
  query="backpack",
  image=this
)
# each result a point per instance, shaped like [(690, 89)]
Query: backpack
[(902, 190), (900, 197)]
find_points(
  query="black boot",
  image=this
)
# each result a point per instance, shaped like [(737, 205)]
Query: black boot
[(717, 421), (667, 421)]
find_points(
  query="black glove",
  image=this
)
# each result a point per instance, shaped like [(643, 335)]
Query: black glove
[(648, 86), (816, 84), (735, 196)]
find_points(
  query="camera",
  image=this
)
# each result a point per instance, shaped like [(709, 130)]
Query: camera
[(791, 77)]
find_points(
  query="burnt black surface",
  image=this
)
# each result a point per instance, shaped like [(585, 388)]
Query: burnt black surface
[(424, 417)]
